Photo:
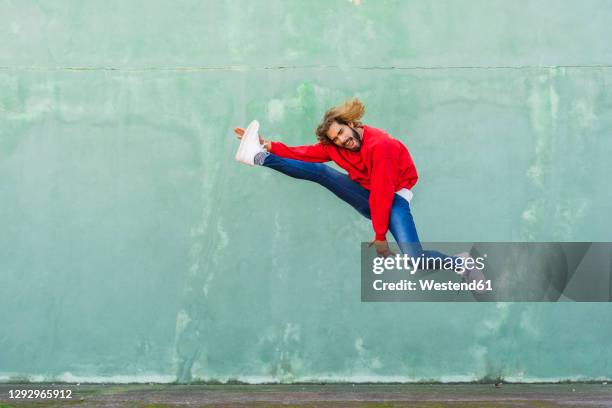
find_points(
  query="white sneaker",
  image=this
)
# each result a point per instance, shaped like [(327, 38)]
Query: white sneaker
[(249, 144)]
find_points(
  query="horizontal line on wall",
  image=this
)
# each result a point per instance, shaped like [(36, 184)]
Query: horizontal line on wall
[(288, 67)]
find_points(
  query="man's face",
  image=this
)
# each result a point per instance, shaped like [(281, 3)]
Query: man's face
[(344, 136)]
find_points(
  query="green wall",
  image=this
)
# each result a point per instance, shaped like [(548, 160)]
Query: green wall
[(134, 248)]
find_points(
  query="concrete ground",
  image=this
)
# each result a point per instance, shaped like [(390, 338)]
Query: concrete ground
[(318, 395)]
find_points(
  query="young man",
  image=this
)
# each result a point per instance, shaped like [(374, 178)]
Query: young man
[(380, 172)]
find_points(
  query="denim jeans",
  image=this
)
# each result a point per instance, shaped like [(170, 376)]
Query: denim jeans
[(401, 224)]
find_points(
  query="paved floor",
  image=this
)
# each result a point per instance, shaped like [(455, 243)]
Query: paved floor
[(317, 395)]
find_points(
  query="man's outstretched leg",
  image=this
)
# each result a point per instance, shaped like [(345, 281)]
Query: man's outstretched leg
[(338, 183), (252, 153)]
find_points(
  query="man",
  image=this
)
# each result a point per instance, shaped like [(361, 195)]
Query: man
[(380, 171)]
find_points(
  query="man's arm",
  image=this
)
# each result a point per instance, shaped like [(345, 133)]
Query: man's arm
[(382, 191), (312, 153)]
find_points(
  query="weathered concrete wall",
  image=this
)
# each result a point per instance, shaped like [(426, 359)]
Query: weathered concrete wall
[(133, 246)]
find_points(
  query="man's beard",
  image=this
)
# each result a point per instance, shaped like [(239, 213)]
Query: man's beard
[(357, 140)]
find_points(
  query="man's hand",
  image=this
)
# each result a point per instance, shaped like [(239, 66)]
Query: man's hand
[(240, 132), (382, 248)]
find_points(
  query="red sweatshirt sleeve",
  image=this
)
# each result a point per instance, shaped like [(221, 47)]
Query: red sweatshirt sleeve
[(312, 153), (382, 190)]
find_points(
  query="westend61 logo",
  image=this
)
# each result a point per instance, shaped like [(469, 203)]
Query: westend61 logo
[(468, 267)]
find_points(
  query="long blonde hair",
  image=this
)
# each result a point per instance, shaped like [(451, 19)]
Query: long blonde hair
[(350, 111)]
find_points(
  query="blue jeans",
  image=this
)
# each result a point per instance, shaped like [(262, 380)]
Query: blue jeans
[(401, 223)]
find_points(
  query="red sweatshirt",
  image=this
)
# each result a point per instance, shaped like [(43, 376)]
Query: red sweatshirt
[(382, 165)]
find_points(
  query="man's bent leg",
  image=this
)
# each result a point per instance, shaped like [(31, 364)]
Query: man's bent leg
[(401, 225)]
